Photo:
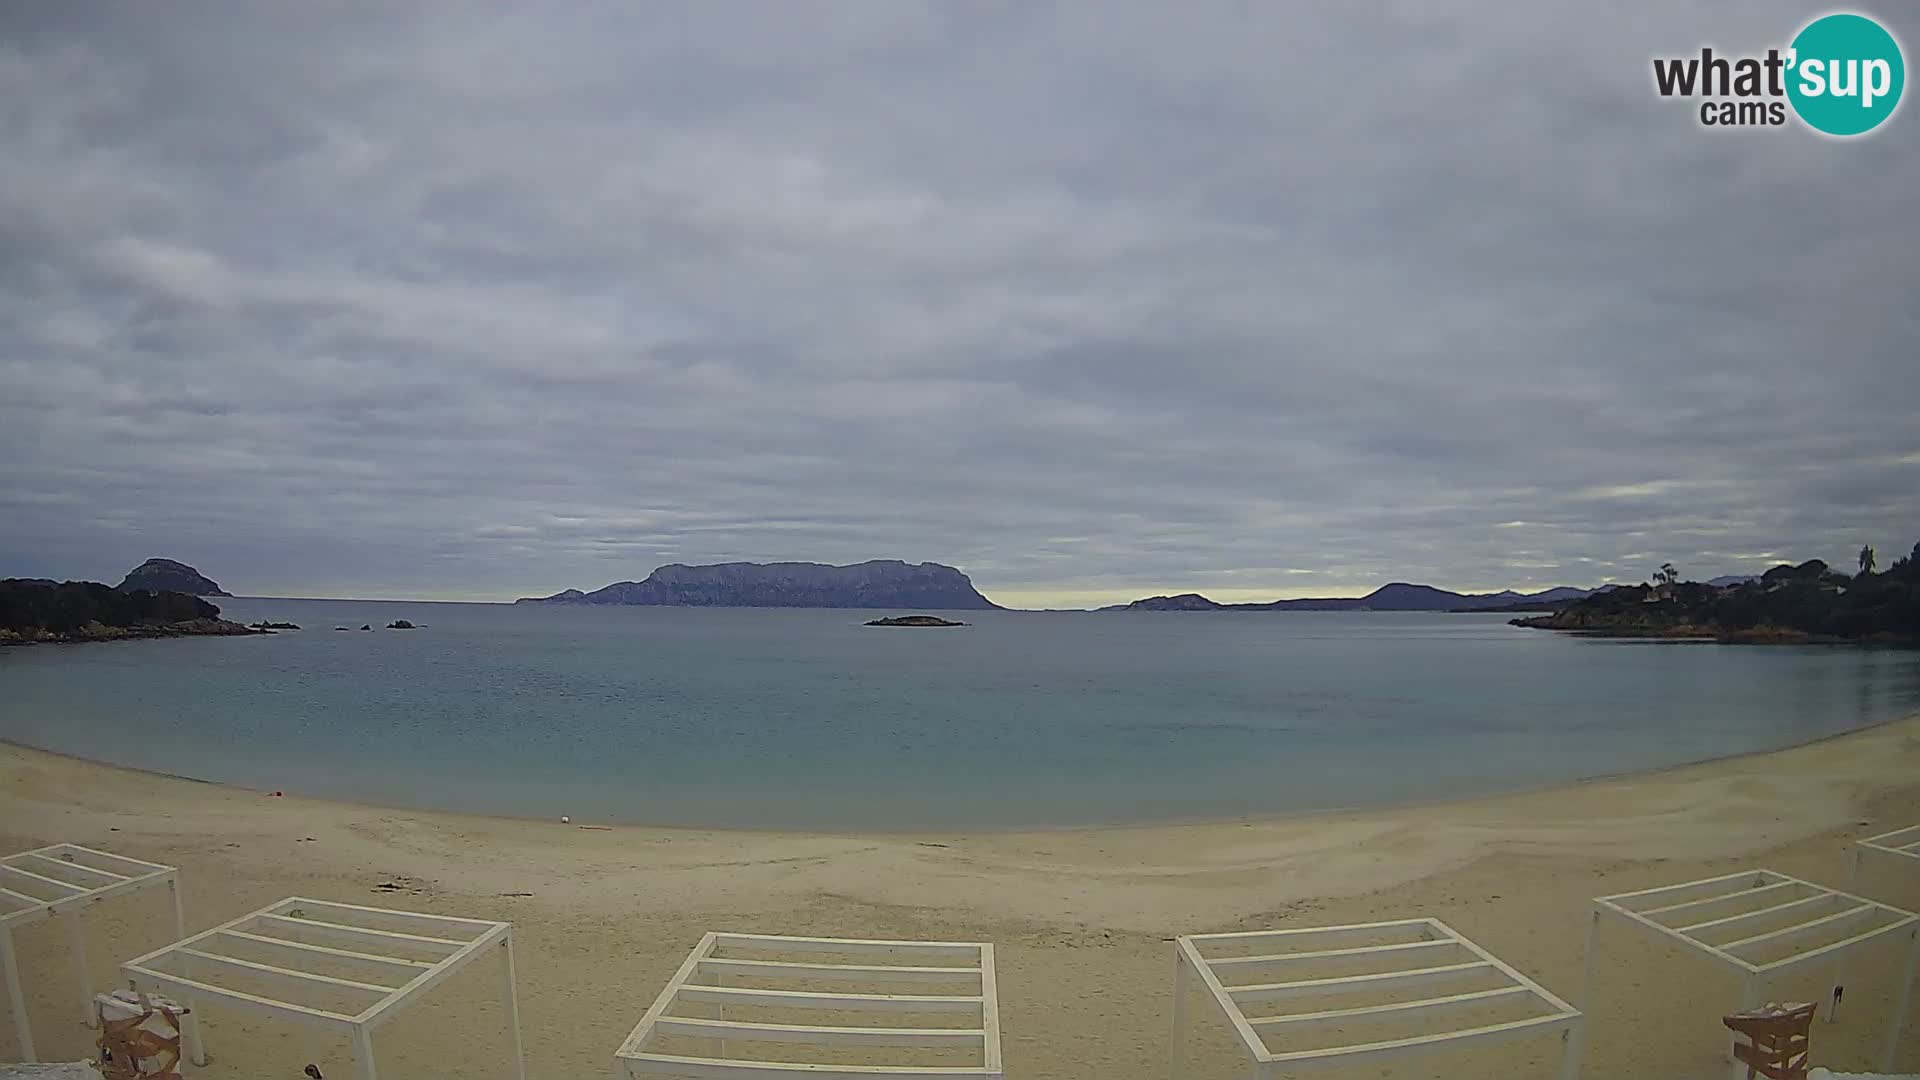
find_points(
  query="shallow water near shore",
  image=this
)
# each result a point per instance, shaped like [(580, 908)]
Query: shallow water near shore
[(808, 719)]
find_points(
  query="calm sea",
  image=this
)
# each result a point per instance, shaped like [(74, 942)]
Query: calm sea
[(808, 719)]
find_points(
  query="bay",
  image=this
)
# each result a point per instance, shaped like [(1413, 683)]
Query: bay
[(808, 719)]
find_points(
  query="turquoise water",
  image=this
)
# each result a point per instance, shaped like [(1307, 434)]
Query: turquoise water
[(808, 719)]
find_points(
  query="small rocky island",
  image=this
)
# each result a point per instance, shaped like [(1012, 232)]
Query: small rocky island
[(914, 620), (166, 575)]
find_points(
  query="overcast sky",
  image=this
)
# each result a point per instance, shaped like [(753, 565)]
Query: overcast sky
[(1092, 302)]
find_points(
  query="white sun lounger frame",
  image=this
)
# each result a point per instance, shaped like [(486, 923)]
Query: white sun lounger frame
[(1431, 938), (33, 889), (1895, 846), (377, 941), (947, 962), (1704, 904)]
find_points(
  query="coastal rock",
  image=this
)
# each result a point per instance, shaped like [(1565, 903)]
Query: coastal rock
[(274, 626), (914, 620), (166, 575), (881, 583), (401, 624), (36, 611)]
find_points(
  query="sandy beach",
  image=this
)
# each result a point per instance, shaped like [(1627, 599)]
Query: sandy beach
[(1083, 919)]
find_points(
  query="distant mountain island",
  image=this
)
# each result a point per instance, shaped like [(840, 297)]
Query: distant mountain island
[(1397, 596), (166, 575), (880, 583)]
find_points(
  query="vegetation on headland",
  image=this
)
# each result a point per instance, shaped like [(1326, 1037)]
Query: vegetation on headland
[(1807, 603), (34, 610)]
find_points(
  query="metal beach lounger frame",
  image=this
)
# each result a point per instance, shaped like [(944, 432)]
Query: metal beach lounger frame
[(1424, 953), (969, 964), (1899, 847), (1712, 918), (397, 957), (63, 881)]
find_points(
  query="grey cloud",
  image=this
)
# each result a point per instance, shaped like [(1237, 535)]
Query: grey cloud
[(1091, 300)]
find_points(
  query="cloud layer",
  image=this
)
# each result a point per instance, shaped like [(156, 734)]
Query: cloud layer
[(1092, 301)]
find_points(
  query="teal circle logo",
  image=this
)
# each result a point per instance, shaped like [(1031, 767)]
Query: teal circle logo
[(1845, 74)]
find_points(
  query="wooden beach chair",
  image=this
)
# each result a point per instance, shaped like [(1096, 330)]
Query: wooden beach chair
[(139, 1036), (1773, 1040)]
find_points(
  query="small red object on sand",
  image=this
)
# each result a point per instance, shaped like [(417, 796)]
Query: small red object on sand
[(277, 794)]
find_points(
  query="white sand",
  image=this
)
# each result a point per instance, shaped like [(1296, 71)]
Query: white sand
[(1083, 918)]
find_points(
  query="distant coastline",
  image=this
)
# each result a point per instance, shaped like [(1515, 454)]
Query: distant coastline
[(893, 584), (1394, 596)]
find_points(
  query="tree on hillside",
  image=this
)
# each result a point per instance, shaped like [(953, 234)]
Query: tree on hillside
[(1866, 559)]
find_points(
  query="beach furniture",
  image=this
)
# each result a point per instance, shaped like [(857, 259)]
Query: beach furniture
[(63, 881), (140, 1035), (879, 1009), (1900, 847), (1394, 981), (1763, 924), (1773, 1042), (342, 967)]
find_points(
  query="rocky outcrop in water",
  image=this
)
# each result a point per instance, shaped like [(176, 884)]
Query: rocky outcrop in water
[(882, 583), (914, 620), (166, 575), (40, 611)]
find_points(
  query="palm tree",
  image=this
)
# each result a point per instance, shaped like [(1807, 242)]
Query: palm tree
[(1866, 559)]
